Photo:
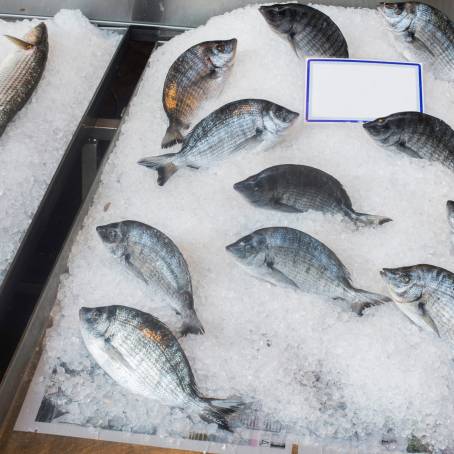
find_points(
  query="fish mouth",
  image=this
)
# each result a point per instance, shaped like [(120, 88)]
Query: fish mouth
[(102, 231), (449, 204), (84, 313)]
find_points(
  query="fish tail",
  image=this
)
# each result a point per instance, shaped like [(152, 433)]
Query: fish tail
[(163, 164), (363, 299), (191, 325), (363, 219), (218, 410), (173, 135)]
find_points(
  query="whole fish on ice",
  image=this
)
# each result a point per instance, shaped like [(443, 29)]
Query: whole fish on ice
[(222, 133), (298, 188), (309, 31), (155, 259), (425, 293), (141, 354), (291, 258), (416, 134), (21, 71), (425, 33), (191, 78)]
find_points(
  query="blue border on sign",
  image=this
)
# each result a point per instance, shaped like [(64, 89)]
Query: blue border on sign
[(347, 60)]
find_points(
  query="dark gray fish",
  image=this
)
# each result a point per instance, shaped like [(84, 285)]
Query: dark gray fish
[(310, 32), (416, 134), (191, 78), (141, 354), (291, 258), (225, 131), (21, 71), (426, 31), (425, 293), (155, 259), (297, 189)]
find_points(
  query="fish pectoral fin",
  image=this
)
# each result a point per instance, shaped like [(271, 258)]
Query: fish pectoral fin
[(427, 318), (278, 276), (115, 354), (19, 42), (136, 271), (284, 207), (192, 166), (402, 147)]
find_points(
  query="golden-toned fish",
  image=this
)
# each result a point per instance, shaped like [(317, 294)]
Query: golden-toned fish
[(21, 71), (191, 78)]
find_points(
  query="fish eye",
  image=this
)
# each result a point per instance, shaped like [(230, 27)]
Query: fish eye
[(220, 47), (380, 121), (112, 235), (405, 278), (95, 315)]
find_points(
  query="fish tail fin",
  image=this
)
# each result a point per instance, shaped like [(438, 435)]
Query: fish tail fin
[(218, 410), (163, 164), (363, 299), (173, 135), (364, 219), (191, 325)]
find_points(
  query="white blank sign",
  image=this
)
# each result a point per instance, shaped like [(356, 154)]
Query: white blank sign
[(361, 90)]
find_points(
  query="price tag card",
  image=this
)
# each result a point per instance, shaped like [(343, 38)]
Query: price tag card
[(344, 90)]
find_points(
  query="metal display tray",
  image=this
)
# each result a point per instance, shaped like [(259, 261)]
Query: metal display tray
[(80, 166)]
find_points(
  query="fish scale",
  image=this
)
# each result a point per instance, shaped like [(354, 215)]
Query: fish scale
[(190, 79), (291, 258), (428, 30), (222, 133), (155, 259), (299, 188), (142, 355), (311, 32), (20, 73), (417, 134), (425, 293)]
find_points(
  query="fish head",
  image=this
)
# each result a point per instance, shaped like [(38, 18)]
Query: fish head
[(222, 53), (280, 17), (94, 321), (399, 15), (386, 130), (249, 250), (37, 34), (276, 119), (406, 284), (450, 213), (113, 236), (255, 189)]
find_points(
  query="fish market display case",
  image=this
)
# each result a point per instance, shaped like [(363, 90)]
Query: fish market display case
[(34, 276)]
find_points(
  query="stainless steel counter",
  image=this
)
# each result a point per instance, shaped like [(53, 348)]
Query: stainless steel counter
[(189, 13)]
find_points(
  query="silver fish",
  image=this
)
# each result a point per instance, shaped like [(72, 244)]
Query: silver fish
[(425, 293), (450, 215), (222, 133), (297, 189), (21, 71), (415, 134), (309, 31), (142, 355), (426, 31), (191, 78), (155, 259), (291, 258)]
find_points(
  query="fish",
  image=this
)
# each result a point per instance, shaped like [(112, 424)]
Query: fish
[(156, 260), (21, 71), (425, 294), (415, 134), (310, 32), (191, 78), (290, 258), (141, 354), (225, 131), (425, 34), (297, 188)]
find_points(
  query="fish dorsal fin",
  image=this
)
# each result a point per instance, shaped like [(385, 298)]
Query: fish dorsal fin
[(20, 42)]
